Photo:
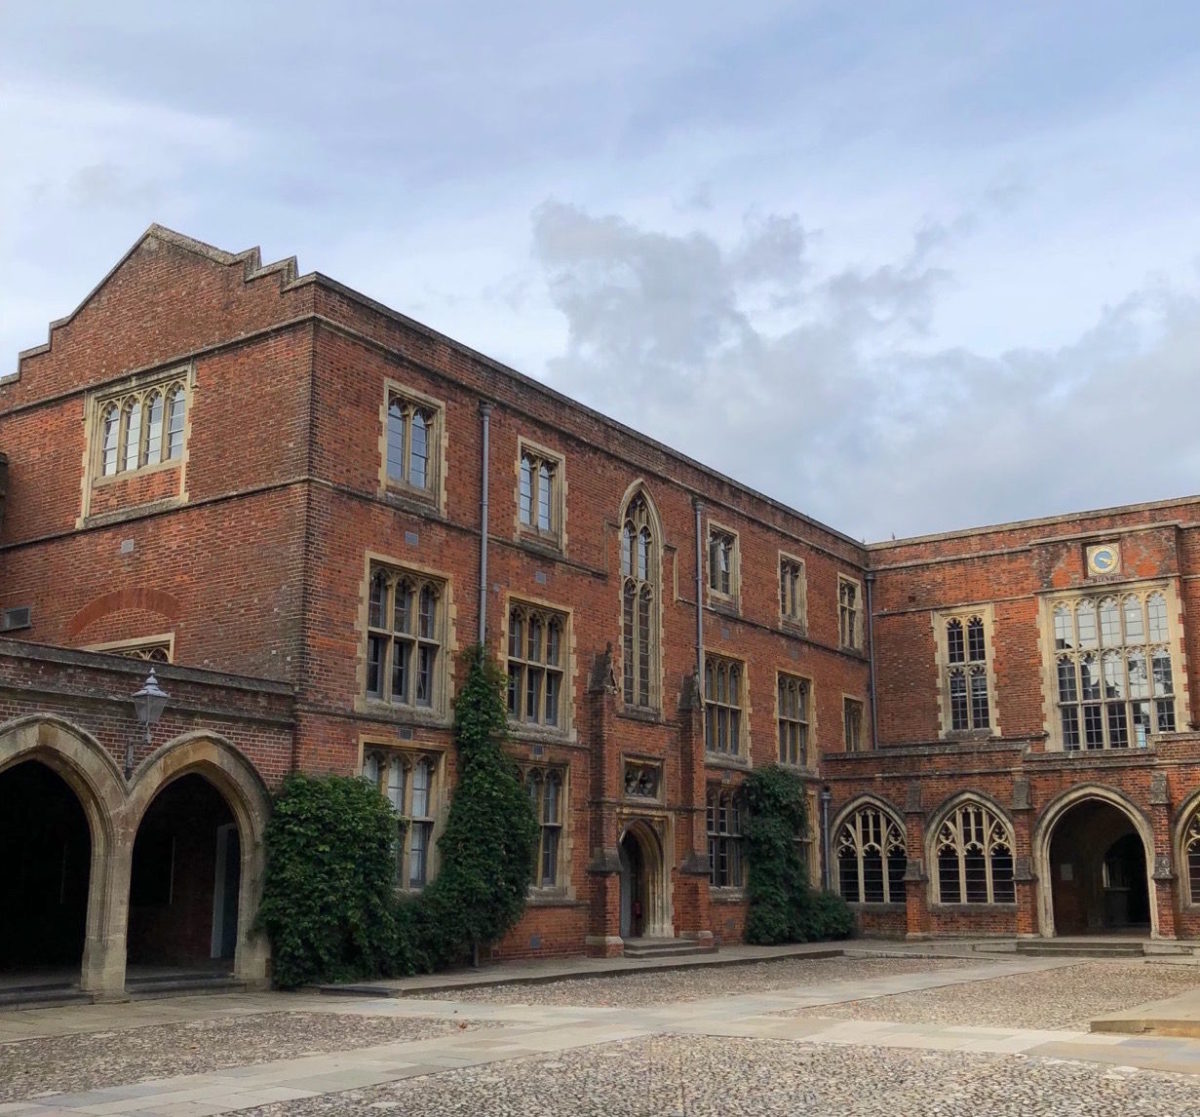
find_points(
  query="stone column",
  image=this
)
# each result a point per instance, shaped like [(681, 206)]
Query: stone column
[(691, 900), (604, 866), (1164, 880), (917, 923), (102, 973), (1025, 882)]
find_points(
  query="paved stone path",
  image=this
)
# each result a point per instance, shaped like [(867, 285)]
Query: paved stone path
[(528, 1031)]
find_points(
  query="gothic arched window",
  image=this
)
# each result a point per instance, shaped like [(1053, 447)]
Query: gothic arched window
[(639, 603), (871, 857), (974, 850)]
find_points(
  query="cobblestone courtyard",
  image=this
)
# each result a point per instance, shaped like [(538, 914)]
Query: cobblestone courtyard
[(856, 1035)]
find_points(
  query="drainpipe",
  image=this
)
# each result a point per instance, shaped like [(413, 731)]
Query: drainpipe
[(699, 614), (826, 799), (870, 577), (485, 414)]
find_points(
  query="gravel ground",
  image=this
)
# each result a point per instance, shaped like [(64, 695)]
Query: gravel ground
[(92, 1060), (710, 1077), (1064, 998), (697, 982)]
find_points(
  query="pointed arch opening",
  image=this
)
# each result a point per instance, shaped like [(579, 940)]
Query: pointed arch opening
[(1095, 862), (197, 862)]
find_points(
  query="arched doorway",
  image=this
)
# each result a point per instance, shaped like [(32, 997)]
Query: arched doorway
[(645, 905), (44, 883), (634, 900), (184, 879), (1097, 870)]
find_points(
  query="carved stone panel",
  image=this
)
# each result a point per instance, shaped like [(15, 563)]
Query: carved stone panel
[(643, 779)]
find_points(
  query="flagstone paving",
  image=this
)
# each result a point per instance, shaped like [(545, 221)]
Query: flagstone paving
[(672, 986), (745, 1047)]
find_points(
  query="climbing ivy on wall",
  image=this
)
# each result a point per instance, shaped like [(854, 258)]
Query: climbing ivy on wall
[(330, 904), (328, 897), (783, 906), (488, 846)]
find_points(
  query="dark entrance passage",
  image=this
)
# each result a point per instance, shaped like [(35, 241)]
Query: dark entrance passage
[(634, 893), (1098, 869), (184, 884), (47, 851)]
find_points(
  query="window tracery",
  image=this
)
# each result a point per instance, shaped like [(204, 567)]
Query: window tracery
[(639, 624), (974, 850), (131, 428), (536, 661), (872, 857), (1113, 670), (405, 619)]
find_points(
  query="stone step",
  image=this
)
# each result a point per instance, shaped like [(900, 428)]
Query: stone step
[(147, 988), (668, 948), (42, 996), (1083, 948)]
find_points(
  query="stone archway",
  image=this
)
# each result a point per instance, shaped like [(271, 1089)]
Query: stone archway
[(645, 892), (1094, 853), (195, 767), (78, 765)]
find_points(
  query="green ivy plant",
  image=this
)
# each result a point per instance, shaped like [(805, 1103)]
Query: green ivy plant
[(488, 846), (328, 901), (783, 907)]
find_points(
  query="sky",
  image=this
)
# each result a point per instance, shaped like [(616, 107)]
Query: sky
[(908, 267)]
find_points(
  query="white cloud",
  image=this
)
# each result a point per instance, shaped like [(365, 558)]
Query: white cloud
[(842, 412)]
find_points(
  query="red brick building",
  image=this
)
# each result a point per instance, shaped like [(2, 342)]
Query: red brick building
[(276, 488)]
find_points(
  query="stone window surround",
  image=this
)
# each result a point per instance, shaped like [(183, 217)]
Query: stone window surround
[(411, 753), (939, 620), (798, 619), (809, 721), (562, 888), (133, 649), (440, 712), (716, 596), (863, 744), (556, 537), (855, 643), (434, 491), (1001, 821), (741, 757), (888, 815), (635, 492), (94, 403), (565, 731), (1048, 599), (729, 838)]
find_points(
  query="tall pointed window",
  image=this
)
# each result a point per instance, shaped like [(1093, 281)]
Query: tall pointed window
[(871, 857), (1113, 670), (639, 604), (967, 705), (974, 851)]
